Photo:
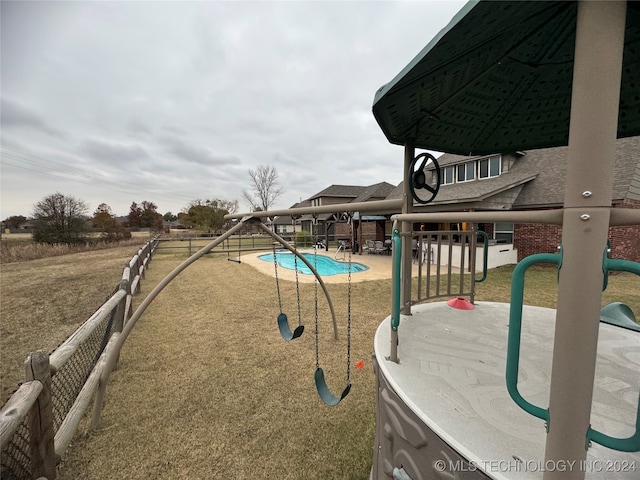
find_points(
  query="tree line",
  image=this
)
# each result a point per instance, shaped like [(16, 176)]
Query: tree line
[(59, 218)]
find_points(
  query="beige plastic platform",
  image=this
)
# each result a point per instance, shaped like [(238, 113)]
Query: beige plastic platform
[(446, 403)]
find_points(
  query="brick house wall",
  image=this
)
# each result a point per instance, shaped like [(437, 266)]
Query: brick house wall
[(530, 239), (342, 230), (370, 231), (535, 238), (625, 241)]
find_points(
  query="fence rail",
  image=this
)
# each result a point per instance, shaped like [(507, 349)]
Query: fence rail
[(40, 419), (433, 250)]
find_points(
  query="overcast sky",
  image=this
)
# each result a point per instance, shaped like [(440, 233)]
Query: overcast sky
[(116, 102)]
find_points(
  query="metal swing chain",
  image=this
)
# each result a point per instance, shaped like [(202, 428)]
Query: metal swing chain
[(275, 266), (349, 305), (315, 296), (295, 264)]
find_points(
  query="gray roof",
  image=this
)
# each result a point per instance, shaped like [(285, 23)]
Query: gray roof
[(541, 175), (377, 191), (551, 165), (348, 191), (285, 219)]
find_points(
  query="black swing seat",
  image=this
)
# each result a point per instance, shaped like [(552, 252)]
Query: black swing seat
[(285, 330), (323, 390)]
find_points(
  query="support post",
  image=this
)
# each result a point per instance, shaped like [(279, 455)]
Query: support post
[(473, 247), (41, 434), (407, 207), (592, 135), (118, 324), (326, 236)]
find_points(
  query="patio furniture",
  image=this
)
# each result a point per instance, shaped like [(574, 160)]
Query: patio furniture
[(387, 247), (371, 246)]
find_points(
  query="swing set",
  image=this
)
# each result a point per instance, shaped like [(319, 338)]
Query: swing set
[(324, 392)]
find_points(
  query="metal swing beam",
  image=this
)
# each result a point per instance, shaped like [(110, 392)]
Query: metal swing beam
[(378, 206)]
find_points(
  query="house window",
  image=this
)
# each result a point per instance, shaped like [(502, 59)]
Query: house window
[(503, 232), (489, 167), (466, 172), (447, 177)]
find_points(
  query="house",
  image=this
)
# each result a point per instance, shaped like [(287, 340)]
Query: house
[(285, 226), (369, 227), (529, 180)]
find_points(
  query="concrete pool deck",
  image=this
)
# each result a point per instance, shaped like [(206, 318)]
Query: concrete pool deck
[(379, 268)]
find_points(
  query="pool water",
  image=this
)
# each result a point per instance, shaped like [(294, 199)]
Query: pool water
[(325, 266)]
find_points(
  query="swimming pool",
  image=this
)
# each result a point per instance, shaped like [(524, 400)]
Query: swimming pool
[(325, 266)]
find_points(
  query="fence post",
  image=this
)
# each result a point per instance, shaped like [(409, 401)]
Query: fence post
[(143, 264), (139, 267), (41, 434), (121, 308), (150, 249)]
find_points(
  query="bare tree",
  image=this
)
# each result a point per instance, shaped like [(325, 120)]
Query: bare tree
[(59, 218), (264, 189)]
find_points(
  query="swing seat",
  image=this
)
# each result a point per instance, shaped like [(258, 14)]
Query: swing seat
[(323, 390), (285, 330)]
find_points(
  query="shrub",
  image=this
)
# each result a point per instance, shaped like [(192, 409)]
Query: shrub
[(303, 239)]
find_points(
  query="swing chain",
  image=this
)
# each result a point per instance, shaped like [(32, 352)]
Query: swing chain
[(349, 303), (295, 264), (315, 296), (275, 266)]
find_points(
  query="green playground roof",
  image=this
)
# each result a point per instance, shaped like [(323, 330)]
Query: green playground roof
[(498, 78)]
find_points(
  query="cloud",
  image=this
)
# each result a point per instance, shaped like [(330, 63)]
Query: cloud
[(113, 153), (136, 128), (172, 129), (16, 115), (198, 154), (181, 99)]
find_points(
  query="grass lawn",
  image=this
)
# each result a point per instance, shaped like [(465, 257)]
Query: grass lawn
[(44, 301), (206, 387)]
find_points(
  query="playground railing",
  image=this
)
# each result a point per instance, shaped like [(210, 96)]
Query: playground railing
[(40, 419), (443, 257)]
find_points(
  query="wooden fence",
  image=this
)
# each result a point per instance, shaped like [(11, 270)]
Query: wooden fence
[(40, 419), (234, 244)]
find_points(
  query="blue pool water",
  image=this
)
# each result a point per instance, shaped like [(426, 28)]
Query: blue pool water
[(325, 266)]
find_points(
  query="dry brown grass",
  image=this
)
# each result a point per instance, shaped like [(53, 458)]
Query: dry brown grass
[(43, 301), (206, 387), (25, 249)]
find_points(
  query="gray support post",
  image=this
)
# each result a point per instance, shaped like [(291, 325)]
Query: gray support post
[(592, 135), (326, 236), (407, 207), (473, 247), (41, 434)]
